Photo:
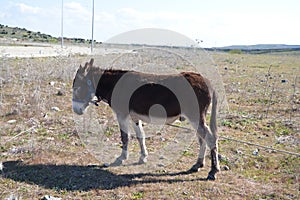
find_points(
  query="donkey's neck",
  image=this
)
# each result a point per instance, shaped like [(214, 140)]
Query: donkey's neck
[(106, 79)]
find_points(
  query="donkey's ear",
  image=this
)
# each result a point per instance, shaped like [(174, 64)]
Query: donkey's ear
[(91, 62), (80, 69), (86, 66)]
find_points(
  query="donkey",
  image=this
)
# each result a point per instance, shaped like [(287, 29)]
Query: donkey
[(131, 94)]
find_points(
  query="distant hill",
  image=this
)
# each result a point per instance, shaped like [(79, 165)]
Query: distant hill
[(21, 34), (24, 35), (257, 49), (260, 47)]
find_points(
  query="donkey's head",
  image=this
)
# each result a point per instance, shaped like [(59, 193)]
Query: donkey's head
[(84, 88)]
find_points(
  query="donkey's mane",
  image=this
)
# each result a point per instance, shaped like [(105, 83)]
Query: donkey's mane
[(101, 71), (116, 71)]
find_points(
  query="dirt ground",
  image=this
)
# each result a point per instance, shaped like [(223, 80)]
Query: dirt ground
[(34, 50), (43, 153)]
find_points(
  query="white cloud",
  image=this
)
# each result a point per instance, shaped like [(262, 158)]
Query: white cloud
[(126, 19), (28, 9), (104, 17), (128, 12), (77, 9)]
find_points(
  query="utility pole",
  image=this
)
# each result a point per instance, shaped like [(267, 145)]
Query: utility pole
[(62, 23), (92, 43)]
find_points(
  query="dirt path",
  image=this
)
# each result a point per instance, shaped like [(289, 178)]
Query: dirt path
[(49, 50)]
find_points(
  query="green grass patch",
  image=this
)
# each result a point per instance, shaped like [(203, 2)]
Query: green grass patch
[(187, 153), (137, 195), (235, 51)]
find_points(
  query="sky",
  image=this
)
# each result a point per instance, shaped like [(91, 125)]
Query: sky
[(214, 22)]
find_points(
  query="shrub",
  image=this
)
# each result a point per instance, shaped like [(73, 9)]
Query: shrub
[(3, 32), (235, 51)]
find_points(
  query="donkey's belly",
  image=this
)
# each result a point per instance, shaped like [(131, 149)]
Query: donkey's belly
[(153, 119), (154, 102)]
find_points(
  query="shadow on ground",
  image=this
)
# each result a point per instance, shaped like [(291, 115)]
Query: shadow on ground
[(83, 178)]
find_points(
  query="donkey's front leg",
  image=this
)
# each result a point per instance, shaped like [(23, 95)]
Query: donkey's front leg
[(140, 134), (123, 123)]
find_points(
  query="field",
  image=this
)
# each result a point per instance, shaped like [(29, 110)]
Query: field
[(42, 153)]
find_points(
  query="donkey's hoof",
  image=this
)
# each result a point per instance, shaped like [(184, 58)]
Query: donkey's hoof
[(117, 162), (143, 160), (211, 177), (194, 169)]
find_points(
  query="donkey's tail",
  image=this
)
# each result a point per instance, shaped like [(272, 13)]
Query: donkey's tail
[(213, 116)]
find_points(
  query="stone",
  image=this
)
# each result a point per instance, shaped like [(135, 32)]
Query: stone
[(59, 93), (12, 121), (55, 109), (48, 197)]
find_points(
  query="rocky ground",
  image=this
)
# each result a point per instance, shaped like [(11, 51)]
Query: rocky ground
[(43, 153)]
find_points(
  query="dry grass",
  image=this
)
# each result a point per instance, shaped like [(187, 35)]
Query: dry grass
[(43, 155)]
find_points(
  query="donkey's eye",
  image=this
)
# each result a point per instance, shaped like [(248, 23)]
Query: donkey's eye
[(89, 82)]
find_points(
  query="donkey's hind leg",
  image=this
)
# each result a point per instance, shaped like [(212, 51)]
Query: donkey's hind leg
[(140, 134), (201, 133), (212, 142), (123, 123)]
